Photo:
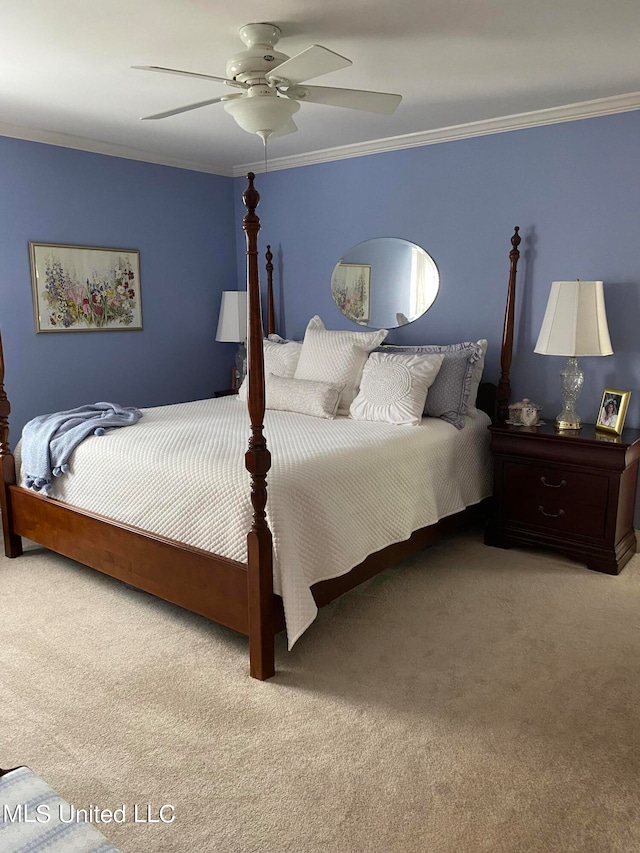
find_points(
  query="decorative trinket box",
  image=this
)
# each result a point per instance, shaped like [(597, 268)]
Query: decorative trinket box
[(524, 413)]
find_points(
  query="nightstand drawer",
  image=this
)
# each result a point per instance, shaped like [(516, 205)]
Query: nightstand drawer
[(558, 515), (558, 499), (545, 484)]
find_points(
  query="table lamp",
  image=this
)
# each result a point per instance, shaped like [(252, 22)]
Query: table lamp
[(574, 324), (232, 327)]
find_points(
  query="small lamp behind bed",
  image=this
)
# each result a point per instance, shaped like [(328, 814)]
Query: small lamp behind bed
[(232, 327)]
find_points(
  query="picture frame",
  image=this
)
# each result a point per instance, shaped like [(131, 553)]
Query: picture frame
[(351, 290), (612, 411), (85, 288)]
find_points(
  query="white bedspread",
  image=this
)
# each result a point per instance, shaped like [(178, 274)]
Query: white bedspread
[(337, 490)]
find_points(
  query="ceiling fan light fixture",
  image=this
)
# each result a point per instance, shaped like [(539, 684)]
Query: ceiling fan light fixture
[(262, 115)]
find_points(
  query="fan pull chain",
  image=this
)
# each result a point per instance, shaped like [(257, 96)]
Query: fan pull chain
[(265, 155)]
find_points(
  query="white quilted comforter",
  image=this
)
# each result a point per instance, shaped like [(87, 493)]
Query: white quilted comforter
[(338, 489)]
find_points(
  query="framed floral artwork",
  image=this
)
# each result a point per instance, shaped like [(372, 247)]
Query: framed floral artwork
[(350, 288), (613, 410), (85, 288)]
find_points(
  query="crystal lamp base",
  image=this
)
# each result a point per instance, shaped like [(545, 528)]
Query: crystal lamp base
[(571, 381)]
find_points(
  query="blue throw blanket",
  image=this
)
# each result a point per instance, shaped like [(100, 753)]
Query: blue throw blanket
[(49, 440)]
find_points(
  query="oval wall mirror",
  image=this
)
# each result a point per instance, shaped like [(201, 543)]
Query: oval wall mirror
[(385, 283)]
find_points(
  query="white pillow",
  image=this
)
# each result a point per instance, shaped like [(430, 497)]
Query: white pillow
[(394, 388), (279, 359), (319, 399), (449, 396), (476, 378), (336, 357)]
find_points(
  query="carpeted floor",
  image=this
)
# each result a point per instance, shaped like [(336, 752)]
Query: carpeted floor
[(470, 699)]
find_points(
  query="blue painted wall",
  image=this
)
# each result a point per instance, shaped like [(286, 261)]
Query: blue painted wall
[(182, 223), (574, 190)]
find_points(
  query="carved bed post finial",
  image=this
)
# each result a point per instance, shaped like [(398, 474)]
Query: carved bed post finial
[(258, 463), (251, 196), (503, 393), (271, 314), (12, 543)]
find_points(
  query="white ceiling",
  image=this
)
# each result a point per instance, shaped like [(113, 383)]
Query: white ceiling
[(65, 73)]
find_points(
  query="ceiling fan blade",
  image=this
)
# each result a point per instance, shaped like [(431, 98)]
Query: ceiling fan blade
[(290, 127), (163, 70), (312, 62), (186, 109), (353, 99)]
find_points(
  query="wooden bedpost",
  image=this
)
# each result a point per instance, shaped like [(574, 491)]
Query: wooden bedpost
[(12, 543), (271, 314), (503, 393), (257, 462)]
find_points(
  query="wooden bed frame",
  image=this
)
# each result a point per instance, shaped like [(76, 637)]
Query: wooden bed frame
[(234, 594)]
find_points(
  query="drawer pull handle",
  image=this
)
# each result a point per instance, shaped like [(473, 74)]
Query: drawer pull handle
[(551, 514), (559, 485)]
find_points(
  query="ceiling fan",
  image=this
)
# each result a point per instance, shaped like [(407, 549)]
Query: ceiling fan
[(271, 84)]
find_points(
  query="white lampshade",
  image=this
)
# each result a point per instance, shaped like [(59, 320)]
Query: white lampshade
[(232, 322), (575, 322), (262, 114)]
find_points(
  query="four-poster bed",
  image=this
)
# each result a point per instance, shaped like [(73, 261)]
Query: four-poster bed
[(237, 593)]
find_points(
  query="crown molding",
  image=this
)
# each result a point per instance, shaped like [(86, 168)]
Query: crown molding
[(80, 143), (519, 121)]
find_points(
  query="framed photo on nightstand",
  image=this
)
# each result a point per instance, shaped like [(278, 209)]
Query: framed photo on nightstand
[(613, 410)]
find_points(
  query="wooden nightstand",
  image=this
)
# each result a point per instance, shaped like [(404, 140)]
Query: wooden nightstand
[(574, 491)]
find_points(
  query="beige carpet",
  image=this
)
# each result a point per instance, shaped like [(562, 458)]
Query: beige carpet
[(471, 699)]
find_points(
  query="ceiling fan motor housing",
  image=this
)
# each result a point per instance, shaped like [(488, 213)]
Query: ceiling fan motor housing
[(254, 63), (260, 57)]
